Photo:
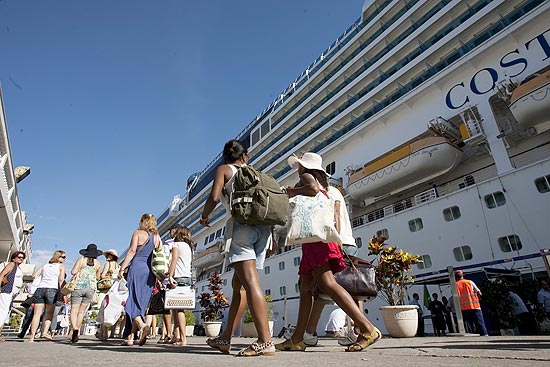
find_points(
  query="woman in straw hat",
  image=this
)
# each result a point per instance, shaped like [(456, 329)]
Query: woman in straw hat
[(319, 263), (108, 277), (87, 270)]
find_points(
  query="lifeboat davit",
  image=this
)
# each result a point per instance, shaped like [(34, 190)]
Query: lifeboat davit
[(209, 257), (404, 167), (530, 101)]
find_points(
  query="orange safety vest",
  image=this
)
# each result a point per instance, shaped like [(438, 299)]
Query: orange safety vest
[(467, 296)]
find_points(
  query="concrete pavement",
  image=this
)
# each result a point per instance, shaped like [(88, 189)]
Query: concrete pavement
[(532, 351)]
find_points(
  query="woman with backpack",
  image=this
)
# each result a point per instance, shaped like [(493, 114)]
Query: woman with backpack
[(247, 251)]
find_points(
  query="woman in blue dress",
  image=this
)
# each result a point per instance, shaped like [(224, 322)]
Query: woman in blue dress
[(140, 277)]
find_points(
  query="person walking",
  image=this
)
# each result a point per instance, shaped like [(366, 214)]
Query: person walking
[(319, 263), (420, 310), (437, 311), (45, 296), (468, 295), (140, 277), (87, 271), (12, 280), (249, 244), (543, 299), (168, 330), (448, 314), (109, 274), (343, 226), (180, 275)]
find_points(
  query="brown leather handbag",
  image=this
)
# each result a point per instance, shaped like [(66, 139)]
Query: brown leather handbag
[(358, 278)]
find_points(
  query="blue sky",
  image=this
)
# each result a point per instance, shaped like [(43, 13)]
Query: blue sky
[(113, 104)]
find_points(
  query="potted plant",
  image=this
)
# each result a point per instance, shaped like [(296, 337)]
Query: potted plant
[(248, 327), (393, 266), (189, 322), (213, 303)]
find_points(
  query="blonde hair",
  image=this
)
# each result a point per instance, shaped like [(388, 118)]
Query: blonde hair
[(148, 223), (56, 255), (183, 234)]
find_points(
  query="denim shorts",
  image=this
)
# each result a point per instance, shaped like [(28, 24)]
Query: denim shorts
[(351, 250), (84, 296), (46, 296), (249, 243)]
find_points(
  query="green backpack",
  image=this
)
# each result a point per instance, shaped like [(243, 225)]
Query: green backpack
[(257, 198)]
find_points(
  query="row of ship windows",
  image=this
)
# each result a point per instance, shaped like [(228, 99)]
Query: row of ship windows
[(461, 253), (492, 200), (464, 253)]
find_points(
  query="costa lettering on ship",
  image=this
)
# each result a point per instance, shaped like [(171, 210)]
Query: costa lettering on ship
[(484, 80)]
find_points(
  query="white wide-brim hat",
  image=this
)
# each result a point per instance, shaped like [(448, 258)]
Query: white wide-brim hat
[(111, 252), (308, 160)]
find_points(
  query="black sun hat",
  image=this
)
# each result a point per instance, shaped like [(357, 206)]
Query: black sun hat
[(90, 251)]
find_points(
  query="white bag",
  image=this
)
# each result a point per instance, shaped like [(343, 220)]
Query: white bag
[(180, 298), (311, 219), (112, 306)]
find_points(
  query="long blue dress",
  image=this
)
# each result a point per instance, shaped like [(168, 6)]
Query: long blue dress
[(140, 281)]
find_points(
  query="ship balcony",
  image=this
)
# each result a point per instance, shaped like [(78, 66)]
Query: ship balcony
[(211, 256)]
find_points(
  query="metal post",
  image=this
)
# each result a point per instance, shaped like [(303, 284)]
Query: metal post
[(456, 301), (545, 254)]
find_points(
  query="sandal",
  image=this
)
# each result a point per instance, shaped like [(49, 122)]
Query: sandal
[(223, 345), (143, 333), (364, 340), (298, 347), (165, 340), (127, 343), (258, 349)]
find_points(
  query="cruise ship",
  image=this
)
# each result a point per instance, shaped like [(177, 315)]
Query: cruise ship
[(434, 117)]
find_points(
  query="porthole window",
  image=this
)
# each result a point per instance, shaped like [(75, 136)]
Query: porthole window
[(495, 199), (267, 292), (267, 270), (359, 242), (543, 184), (297, 261), (463, 253), (297, 288), (510, 243), (383, 233), (415, 225), (282, 290), (426, 262), (282, 265), (451, 213)]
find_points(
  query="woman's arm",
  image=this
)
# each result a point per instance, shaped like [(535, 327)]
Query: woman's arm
[(7, 269), (61, 278), (134, 242), (223, 173), (97, 266), (337, 223), (76, 267), (308, 186), (173, 261), (106, 269), (37, 273)]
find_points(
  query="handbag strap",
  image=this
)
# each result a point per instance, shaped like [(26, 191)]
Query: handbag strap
[(350, 260)]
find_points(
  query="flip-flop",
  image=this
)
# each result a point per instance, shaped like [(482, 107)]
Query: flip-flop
[(143, 332)]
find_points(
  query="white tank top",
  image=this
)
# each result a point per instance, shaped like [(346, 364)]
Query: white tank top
[(229, 189), (50, 276)]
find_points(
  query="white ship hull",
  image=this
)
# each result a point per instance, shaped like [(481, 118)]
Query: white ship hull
[(375, 89)]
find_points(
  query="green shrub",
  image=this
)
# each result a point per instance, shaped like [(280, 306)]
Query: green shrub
[(189, 318), (248, 316)]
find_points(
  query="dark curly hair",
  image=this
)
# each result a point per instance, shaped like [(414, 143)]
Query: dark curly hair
[(233, 151)]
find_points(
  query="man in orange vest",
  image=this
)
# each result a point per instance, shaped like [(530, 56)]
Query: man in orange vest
[(468, 295)]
